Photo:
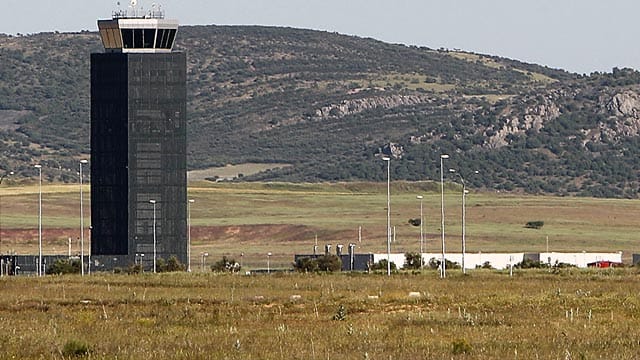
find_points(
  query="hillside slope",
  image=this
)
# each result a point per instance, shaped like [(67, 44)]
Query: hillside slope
[(329, 104)]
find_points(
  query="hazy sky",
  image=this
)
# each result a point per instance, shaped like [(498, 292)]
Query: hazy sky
[(576, 35)]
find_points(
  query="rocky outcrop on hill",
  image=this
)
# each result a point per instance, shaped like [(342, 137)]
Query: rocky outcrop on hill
[(354, 106), (624, 104), (534, 117), (624, 110), (392, 150)]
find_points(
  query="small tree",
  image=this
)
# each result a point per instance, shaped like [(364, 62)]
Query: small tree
[(412, 260), (64, 266)]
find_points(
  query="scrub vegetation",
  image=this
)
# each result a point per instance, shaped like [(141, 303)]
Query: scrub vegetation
[(560, 313), (569, 314)]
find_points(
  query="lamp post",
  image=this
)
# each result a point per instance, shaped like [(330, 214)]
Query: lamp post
[(420, 197), (81, 222), (464, 193), (268, 263), (191, 201), (464, 211), (388, 160), (204, 256), (6, 174), (443, 265), (39, 167), (153, 202)]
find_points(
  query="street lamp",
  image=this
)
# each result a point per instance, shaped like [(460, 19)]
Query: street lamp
[(388, 160), (81, 222), (204, 255), (6, 174), (191, 201), (154, 234), (464, 221), (268, 265), (39, 167), (443, 265), (420, 197), (464, 193)]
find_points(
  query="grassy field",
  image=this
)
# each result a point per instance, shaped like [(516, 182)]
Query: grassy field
[(284, 219), (536, 314), (486, 315)]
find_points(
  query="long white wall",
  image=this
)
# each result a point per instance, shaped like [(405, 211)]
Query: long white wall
[(504, 260)]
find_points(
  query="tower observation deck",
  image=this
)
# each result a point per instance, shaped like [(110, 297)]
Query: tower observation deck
[(127, 31), (138, 141)]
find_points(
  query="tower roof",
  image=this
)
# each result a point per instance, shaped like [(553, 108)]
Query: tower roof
[(134, 31)]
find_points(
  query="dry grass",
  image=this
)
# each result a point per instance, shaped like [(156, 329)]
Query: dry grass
[(573, 314)]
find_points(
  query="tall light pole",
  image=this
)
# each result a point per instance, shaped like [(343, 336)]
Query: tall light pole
[(204, 256), (191, 201), (153, 202), (420, 197), (464, 211), (81, 222), (268, 264), (464, 226), (388, 160), (6, 174), (39, 167), (443, 266)]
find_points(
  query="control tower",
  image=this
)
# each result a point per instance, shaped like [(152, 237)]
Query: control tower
[(138, 141)]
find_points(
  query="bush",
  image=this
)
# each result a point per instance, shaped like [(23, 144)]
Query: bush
[(225, 265), (534, 224), (306, 265), (171, 265), (530, 264), (75, 348), (382, 265), (328, 263), (134, 269), (434, 264), (64, 266), (412, 261), (459, 347)]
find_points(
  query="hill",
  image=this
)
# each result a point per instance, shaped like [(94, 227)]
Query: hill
[(329, 104)]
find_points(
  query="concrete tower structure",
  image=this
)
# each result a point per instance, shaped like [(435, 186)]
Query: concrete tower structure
[(138, 141)]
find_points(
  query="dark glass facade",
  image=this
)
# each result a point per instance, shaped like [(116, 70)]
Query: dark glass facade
[(138, 154)]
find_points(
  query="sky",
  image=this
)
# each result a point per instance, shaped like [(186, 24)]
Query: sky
[(580, 36)]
